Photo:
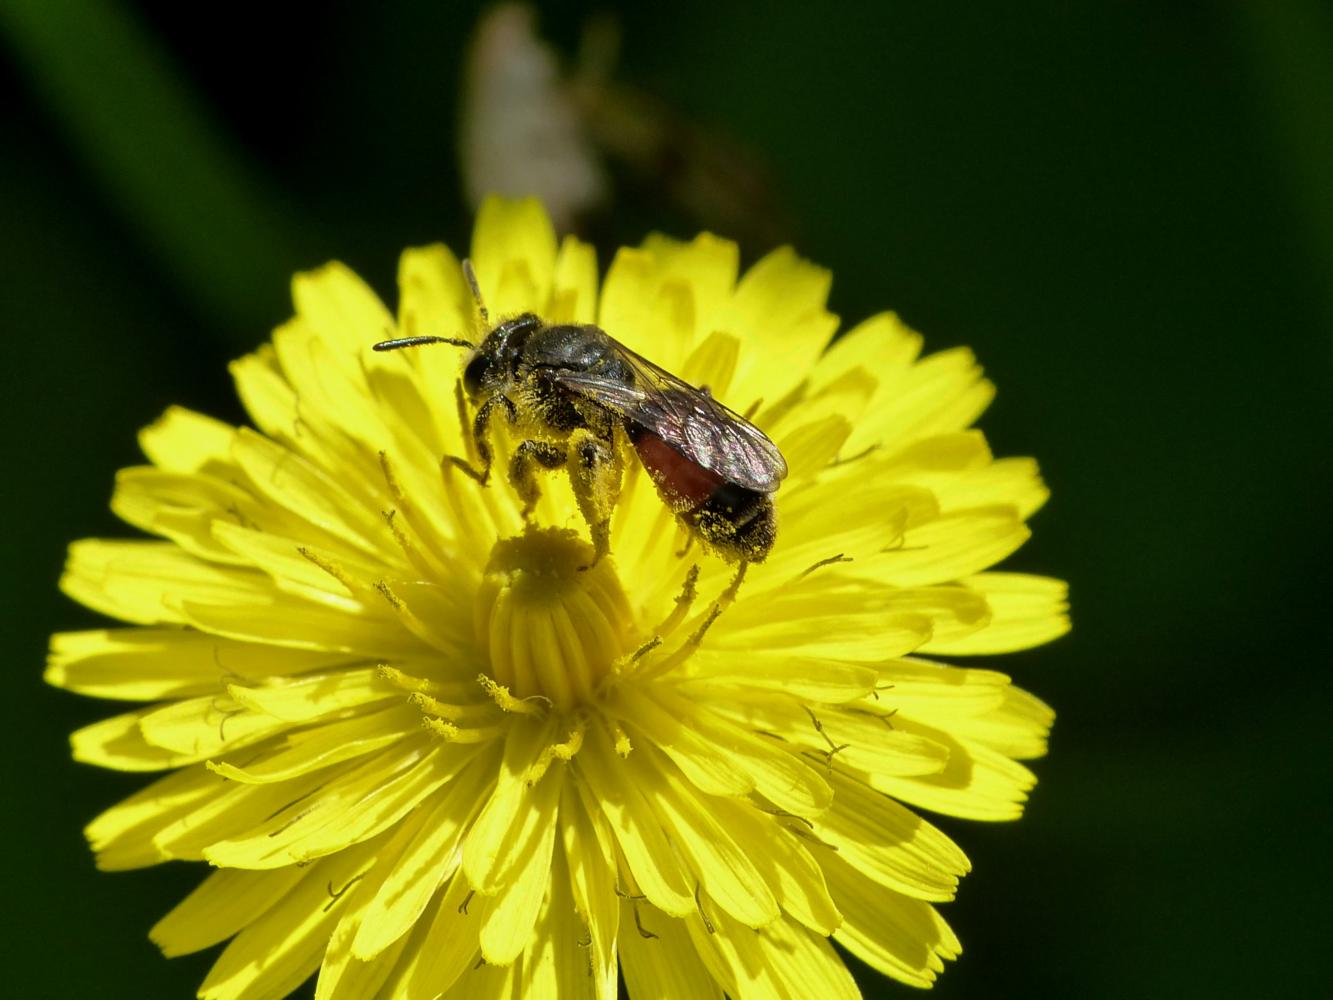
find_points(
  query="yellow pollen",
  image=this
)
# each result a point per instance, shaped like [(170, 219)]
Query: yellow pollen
[(550, 624)]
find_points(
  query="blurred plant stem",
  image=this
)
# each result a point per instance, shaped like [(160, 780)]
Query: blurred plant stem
[(1290, 49), (181, 185)]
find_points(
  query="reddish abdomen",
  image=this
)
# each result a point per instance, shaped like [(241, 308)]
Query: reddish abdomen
[(687, 483)]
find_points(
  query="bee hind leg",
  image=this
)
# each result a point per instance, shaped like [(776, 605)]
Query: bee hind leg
[(595, 471), (523, 475)]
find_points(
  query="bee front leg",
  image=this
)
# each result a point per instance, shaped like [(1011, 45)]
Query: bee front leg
[(480, 426), (595, 471), (522, 475)]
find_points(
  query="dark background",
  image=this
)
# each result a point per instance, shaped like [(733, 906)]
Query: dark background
[(1124, 207)]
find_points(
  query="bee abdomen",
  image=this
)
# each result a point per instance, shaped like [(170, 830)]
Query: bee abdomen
[(739, 522)]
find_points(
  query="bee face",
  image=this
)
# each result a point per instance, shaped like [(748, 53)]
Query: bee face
[(477, 373)]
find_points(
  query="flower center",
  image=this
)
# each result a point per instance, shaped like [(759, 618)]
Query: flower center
[(549, 625)]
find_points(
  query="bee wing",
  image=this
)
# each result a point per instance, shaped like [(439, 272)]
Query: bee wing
[(689, 420)]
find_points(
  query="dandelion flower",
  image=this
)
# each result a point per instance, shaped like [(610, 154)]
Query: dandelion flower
[(429, 752)]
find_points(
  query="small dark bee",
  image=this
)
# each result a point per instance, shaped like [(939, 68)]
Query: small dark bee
[(575, 389)]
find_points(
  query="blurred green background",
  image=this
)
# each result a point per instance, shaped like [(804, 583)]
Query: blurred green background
[(1124, 206)]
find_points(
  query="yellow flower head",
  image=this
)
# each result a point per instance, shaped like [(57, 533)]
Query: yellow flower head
[(435, 748)]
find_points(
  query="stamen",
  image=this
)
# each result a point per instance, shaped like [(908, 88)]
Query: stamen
[(479, 712), (414, 555), (834, 748), (556, 751), (645, 649), (402, 680), (687, 648), (226, 714), (734, 587), (532, 705), (422, 557), (451, 733), (416, 625), (333, 569), (699, 905), (638, 922), (830, 561), (335, 896), (620, 739), (684, 601), (854, 458)]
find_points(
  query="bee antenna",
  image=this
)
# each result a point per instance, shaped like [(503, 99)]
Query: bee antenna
[(471, 276), (393, 345)]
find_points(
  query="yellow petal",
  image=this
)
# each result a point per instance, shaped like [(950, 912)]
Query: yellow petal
[(426, 862), (181, 507), (589, 850), (803, 963), (281, 949), (574, 286), (119, 743), (1025, 610), (703, 763), (888, 843), (223, 905), (315, 694), (666, 965), (976, 783), (938, 395), (831, 520), (900, 937), (232, 809), (734, 955), (259, 612), (509, 917), (343, 974), (342, 310), (882, 344), (441, 949), (951, 546), (297, 486), (123, 835), (312, 749), (348, 809), (778, 312), (929, 690), (555, 964), (608, 788), (723, 870), (182, 440), (147, 664), (779, 776), (513, 252), (1017, 728), (820, 617), (144, 582), (514, 816), (772, 843)]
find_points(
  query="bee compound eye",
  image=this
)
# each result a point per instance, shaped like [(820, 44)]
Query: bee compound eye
[(475, 373)]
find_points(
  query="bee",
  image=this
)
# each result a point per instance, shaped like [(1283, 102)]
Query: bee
[(586, 400)]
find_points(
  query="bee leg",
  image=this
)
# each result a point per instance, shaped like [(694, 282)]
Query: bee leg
[(480, 426), (595, 470), (523, 477)]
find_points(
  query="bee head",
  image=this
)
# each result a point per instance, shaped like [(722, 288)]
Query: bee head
[(497, 359), (476, 373)]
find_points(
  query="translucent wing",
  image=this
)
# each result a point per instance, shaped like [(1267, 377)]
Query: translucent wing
[(689, 420)]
